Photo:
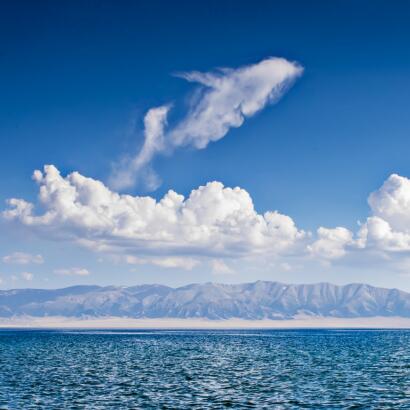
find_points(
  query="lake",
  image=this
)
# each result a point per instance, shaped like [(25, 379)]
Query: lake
[(204, 369)]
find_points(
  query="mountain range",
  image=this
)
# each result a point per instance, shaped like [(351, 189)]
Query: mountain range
[(258, 300)]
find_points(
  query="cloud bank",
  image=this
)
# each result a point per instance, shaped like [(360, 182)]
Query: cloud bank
[(214, 223), (224, 100)]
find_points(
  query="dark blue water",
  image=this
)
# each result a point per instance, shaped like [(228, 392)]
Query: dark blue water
[(204, 369)]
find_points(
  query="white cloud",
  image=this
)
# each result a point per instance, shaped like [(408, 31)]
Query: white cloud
[(331, 243), (185, 263), (383, 237), (126, 172), (392, 202), (377, 233), (388, 228), (213, 221), (72, 271), (27, 276), (230, 96), (219, 267), (225, 99), (21, 258), (287, 267), (214, 224)]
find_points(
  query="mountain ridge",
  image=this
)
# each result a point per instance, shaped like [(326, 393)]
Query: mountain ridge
[(252, 301)]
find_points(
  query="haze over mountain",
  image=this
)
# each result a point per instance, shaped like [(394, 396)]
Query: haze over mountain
[(258, 300)]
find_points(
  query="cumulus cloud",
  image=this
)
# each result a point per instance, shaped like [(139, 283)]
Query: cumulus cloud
[(384, 234), (72, 271), (331, 243), (392, 202), (388, 228), (27, 276), (213, 224), (212, 221), (226, 97), (21, 258)]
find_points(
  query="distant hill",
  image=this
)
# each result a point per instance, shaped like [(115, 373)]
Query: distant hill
[(259, 300)]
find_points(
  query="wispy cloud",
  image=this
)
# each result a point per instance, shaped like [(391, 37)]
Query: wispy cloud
[(226, 97), (27, 276), (72, 271), (127, 170), (219, 267), (21, 258), (185, 263)]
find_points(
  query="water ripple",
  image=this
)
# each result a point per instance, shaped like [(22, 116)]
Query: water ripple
[(204, 369)]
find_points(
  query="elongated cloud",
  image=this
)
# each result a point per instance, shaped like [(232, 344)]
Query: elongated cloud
[(225, 99), (21, 258), (126, 172), (72, 271), (185, 263)]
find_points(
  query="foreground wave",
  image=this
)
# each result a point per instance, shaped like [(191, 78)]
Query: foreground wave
[(201, 369)]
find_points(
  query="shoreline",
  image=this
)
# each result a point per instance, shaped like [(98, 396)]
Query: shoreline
[(56, 322)]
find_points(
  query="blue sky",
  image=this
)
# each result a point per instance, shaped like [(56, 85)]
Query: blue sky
[(77, 79)]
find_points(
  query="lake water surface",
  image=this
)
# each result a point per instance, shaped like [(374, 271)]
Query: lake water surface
[(270, 369)]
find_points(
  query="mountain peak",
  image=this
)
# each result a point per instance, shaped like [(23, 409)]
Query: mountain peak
[(257, 300)]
